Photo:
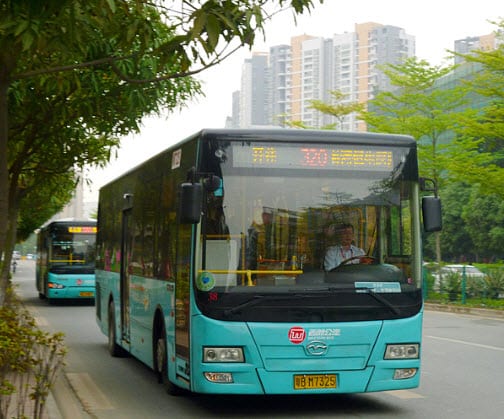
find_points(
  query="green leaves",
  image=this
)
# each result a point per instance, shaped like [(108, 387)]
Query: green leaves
[(81, 73), (425, 109), (213, 29), (111, 4)]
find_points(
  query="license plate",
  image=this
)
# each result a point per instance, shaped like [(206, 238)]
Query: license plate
[(314, 381), (86, 294)]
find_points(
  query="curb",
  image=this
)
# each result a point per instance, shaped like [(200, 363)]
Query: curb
[(63, 402), (483, 312), (52, 408)]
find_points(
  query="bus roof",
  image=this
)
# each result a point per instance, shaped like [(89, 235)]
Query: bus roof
[(69, 221), (293, 135), (300, 135)]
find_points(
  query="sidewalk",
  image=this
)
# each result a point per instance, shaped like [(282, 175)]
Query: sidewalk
[(61, 401)]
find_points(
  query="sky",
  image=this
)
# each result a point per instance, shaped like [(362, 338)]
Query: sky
[(436, 24)]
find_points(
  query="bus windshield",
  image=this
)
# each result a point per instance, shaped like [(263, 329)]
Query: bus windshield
[(331, 226), (72, 252)]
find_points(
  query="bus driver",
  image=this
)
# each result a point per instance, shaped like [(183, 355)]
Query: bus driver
[(343, 251)]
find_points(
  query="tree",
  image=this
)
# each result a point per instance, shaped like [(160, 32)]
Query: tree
[(338, 109), (457, 242), (42, 202), (487, 124), (484, 216), (420, 108), (102, 65)]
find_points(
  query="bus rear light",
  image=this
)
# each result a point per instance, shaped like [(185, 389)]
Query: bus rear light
[(228, 354), (219, 377), (404, 373), (402, 351), (55, 286)]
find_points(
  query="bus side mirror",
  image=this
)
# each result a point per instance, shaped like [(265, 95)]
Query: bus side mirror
[(431, 212), (190, 203)]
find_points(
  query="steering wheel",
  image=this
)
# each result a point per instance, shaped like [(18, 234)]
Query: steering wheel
[(363, 260)]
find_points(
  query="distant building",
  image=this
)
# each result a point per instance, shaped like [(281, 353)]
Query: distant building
[(471, 43), (279, 105), (253, 108), (277, 88), (75, 208)]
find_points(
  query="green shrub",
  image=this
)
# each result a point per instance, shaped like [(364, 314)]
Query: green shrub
[(29, 361), (494, 282), (452, 284), (475, 287)]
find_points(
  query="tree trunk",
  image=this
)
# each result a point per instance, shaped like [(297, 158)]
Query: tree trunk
[(4, 184)]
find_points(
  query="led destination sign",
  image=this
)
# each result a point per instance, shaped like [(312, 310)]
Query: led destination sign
[(82, 229), (317, 157)]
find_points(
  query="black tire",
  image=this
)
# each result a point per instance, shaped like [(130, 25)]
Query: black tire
[(161, 362), (113, 348)]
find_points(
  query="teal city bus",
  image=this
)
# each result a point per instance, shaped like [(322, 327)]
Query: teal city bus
[(66, 260), (210, 262)]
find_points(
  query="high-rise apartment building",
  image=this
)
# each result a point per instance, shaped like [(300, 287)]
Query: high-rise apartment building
[(311, 67), (377, 45), (315, 79), (280, 82), (234, 120), (471, 43), (296, 77), (254, 92), (75, 208)]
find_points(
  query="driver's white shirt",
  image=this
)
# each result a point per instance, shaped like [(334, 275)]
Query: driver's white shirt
[(336, 254)]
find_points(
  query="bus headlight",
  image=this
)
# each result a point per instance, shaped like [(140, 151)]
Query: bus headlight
[(219, 377), (404, 373), (229, 354), (55, 286), (402, 351)]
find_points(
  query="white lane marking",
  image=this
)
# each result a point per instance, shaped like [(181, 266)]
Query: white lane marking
[(90, 396), (405, 394), (463, 342)]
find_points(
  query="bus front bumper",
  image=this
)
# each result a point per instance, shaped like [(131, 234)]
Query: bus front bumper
[(71, 293)]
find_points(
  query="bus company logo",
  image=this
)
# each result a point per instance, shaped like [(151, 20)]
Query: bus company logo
[(297, 334), (79, 281)]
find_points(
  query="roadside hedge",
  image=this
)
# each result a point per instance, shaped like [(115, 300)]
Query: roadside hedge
[(29, 362)]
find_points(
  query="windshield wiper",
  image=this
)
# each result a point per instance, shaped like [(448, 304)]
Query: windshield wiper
[(378, 298), (259, 299)]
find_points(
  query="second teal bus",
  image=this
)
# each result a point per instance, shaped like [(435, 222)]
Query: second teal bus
[(66, 260)]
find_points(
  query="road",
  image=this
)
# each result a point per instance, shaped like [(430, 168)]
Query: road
[(462, 375)]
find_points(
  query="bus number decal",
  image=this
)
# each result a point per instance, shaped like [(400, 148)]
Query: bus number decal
[(315, 157), (176, 159)]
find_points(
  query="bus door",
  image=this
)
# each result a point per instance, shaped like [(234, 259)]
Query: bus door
[(126, 245), (182, 294)]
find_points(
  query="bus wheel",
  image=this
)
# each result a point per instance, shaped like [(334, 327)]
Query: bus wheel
[(113, 348), (161, 363)]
